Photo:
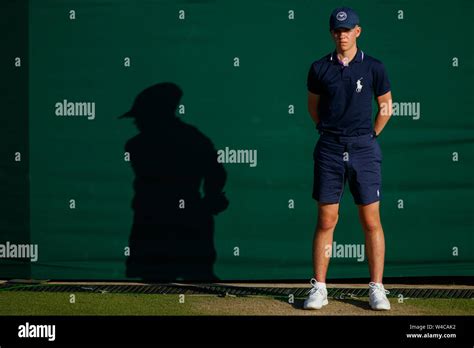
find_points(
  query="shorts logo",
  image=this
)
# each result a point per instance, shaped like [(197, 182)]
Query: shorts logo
[(341, 16), (378, 193), (359, 85)]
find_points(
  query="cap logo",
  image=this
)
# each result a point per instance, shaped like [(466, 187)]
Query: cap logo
[(341, 16)]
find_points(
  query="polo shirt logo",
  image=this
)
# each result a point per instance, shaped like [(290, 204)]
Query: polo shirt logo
[(341, 16), (359, 85)]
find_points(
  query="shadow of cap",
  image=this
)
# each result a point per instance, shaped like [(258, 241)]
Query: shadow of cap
[(159, 99)]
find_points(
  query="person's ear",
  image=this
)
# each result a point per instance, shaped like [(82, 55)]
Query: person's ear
[(358, 31)]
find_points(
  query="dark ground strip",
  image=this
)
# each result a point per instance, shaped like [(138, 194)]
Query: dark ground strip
[(223, 290)]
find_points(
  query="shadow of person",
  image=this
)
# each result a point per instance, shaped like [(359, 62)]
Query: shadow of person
[(361, 303), (172, 236)]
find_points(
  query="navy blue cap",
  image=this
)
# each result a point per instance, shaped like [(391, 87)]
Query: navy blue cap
[(343, 17)]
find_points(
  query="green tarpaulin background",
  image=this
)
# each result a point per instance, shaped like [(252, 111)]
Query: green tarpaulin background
[(81, 56)]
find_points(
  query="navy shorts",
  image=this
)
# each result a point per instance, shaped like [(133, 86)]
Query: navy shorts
[(338, 159)]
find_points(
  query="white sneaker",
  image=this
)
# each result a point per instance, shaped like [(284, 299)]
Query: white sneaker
[(318, 296), (377, 297)]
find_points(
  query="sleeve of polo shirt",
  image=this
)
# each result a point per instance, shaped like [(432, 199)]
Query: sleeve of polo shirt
[(313, 83), (381, 81)]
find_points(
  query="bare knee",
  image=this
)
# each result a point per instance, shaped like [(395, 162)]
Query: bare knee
[(327, 222), (371, 225), (370, 218)]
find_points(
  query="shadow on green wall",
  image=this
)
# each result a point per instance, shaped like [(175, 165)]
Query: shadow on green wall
[(172, 236)]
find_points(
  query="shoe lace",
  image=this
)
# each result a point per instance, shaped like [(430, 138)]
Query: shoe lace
[(315, 288), (378, 289)]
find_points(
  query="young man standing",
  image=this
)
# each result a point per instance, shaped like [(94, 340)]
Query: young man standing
[(341, 86)]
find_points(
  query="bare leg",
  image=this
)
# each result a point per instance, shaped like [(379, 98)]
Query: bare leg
[(374, 239), (328, 215)]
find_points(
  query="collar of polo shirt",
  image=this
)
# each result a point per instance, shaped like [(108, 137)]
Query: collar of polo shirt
[(359, 57)]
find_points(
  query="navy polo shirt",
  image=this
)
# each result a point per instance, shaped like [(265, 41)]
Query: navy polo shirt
[(346, 92)]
